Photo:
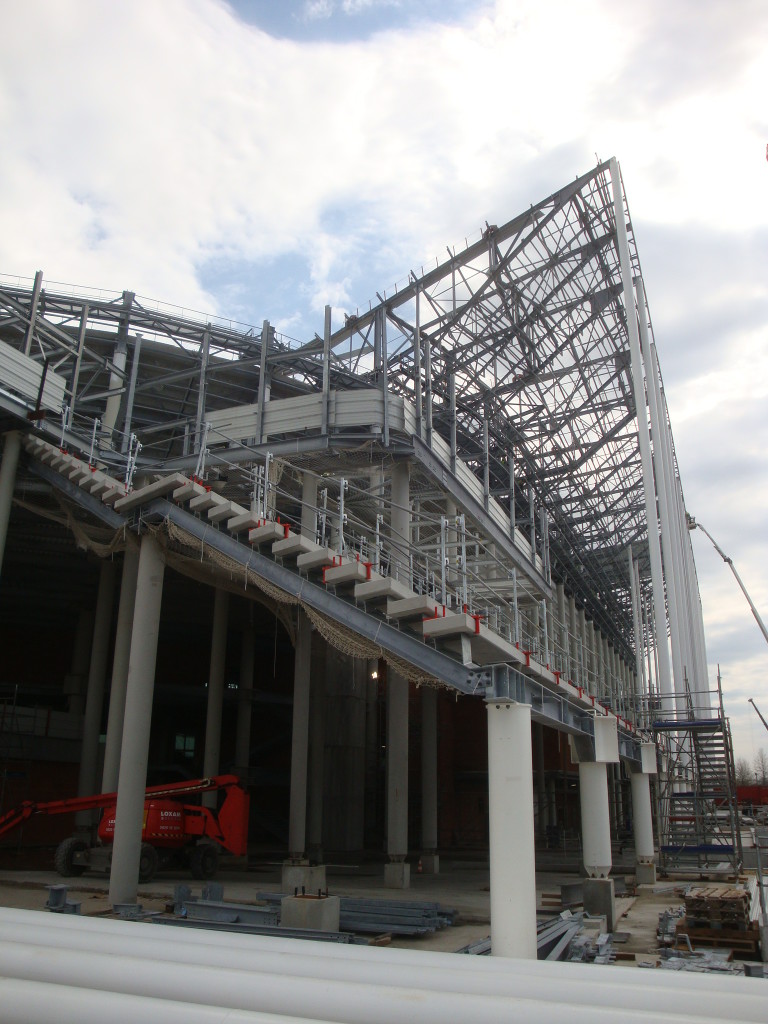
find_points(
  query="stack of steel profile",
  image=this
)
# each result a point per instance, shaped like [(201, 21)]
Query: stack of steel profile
[(377, 916)]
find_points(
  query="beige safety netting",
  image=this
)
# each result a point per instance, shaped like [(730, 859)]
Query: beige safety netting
[(102, 541), (340, 637)]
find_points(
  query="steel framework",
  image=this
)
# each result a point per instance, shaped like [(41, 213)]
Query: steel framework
[(511, 361)]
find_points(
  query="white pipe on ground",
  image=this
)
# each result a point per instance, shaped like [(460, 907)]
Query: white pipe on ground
[(623, 988), (567, 990), (34, 1002), (254, 946), (339, 1002)]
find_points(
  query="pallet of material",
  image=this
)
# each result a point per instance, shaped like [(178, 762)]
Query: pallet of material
[(740, 940), (721, 906)]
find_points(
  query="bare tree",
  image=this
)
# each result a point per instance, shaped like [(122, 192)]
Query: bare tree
[(743, 772), (760, 765)]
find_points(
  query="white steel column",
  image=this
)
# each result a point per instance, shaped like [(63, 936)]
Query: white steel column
[(8, 468), (644, 440), (641, 817), (510, 808), (212, 754), (396, 873), (430, 861), (664, 487), (120, 661), (297, 818), (124, 876), (245, 697), (595, 818), (400, 523), (94, 701)]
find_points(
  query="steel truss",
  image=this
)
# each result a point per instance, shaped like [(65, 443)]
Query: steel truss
[(513, 354)]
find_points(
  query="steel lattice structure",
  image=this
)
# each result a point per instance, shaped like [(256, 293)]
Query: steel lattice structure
[(514, 351)]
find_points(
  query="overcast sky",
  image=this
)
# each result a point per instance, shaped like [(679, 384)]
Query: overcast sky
[(261, 158)]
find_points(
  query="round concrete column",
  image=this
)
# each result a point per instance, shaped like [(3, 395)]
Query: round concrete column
[(642, 817), (212, 755), (124, 877), (297, 818), (510, 808), (94, 701), (595, 818), (120, 669), (8, 467)]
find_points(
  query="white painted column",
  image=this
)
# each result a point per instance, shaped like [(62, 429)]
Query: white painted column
[(212, 754), (642, 817), (120, 661), (245, 697), (94, 701), (510, 807), (430, 862), (595, 818), (8, 467), (649, 490), (400, 523), (319, 653), (124, 877), (297, 818), (396, 872), (541, 792)]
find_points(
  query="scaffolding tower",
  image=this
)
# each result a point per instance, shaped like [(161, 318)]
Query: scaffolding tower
[(698, 816)]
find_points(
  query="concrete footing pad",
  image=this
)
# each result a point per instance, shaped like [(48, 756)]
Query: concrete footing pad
[(303, 877), (397, 875), (318, 913), (600, 899)]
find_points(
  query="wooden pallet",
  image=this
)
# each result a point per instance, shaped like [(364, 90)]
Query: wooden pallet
[(741, 941)]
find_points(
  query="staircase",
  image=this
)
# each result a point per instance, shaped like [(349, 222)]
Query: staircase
[(698, 827)]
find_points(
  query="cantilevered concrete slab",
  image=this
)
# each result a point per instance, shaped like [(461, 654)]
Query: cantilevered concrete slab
[(227, 510), (317, 559), (245, 520), (267, 533), (487, 647), (346, 574), (206, 500), (157, 489), (294, 545), (408, 608), (379, 589), (189, 489)]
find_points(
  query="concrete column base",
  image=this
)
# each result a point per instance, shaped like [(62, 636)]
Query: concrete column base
[(397, 875), (645, 874), (600, 899), (303, 876), (430, 863), (320, 913)]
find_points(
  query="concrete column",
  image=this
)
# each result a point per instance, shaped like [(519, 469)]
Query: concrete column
[(124, 877), (8, 468), (510, 803), (94, 701), (300, 739), (400, 523), (397, 872), (642, 819), (120, 659), (595, 818), (317, 748), (430, 861), (309, 506), (75, 680), (371, 833), (573, 629), (212, 754), (245, 698), (541, 792)]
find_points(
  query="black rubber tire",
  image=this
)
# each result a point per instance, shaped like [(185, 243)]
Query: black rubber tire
[(148, 861), (204, 861), (63, 857)]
